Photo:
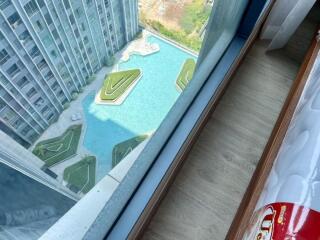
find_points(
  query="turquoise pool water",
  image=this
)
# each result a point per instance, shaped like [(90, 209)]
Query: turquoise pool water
[(142, 111)]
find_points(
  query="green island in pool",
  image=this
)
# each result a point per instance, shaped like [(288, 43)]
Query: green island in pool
[(116, 84), (186, 73), (58, 149), (81, 176), (121, 150)]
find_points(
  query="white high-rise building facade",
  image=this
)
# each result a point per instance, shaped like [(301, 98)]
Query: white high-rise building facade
[(49, 50)]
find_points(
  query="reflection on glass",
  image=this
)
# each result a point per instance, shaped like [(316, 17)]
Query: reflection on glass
[(27, 207)]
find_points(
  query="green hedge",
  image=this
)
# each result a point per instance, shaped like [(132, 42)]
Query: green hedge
[(186, 73), (117, 83), (55, 150), (77, 174)]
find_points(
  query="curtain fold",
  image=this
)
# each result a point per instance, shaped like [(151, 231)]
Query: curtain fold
[(285, 17)]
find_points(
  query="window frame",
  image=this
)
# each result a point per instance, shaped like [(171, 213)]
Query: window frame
[(139, 210), (129, 221), (22, 82), (31, 92), (4, 56), (4, 4), (13, 70), (31, 8)]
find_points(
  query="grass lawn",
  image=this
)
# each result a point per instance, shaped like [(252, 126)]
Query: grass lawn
[(121, 150), (180, 37), (57, 149), (186, 73), (81, 175), (117, 83), (189, 19)]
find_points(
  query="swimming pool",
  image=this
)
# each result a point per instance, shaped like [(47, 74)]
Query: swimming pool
[(144, 108)]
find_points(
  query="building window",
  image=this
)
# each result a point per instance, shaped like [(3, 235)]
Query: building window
[(4, 4), (13, 91), (31, 8), (10, 114), (81, 45), (50, 116), (24, 37), (61, 47), (42, 64), (31, 93), (99, 9), (41, 3), (3, 80), (22, 82), (13, 70), (85, 40), (60, 93), (7, 97), (76, 32), (17, 123), (26, 130), (82, 27), (66, 59), (48, 18), (34, 52), (47, 41), (53, 53), (66, 4), (2, 105), (14, 20), (39, 25), (4, 56), (44, 110), (55, 34), (55, 86), (49, 75), (89, 2), (77, 12), (65, 100), (72, 20), (39, 102)]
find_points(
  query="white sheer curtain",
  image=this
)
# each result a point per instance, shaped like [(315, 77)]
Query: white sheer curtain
[(284, 19)]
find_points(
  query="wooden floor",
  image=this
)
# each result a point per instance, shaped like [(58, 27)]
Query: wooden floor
[(206, 193), (205, 196)]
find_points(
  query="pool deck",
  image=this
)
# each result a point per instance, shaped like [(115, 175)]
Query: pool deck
[(138, 46)]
